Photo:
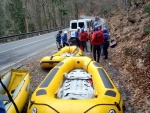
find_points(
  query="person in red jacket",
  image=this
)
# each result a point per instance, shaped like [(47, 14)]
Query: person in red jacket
[(97, 41), (90, 38), (86, 40), (83, 38)]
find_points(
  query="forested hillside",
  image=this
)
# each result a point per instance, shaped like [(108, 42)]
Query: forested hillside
[(20, 16)]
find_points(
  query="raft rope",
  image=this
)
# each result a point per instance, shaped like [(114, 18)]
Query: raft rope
[(88, 64), (115, 104), (97, 105), (75, 50), (9, 96), (32, 102)]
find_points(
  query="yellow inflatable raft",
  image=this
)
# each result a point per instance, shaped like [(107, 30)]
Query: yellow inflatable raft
[(51, 61), (76, 85), (17, 82)]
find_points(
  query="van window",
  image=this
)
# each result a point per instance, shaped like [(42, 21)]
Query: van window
[(88, 24), (81, 24), (73, 25)]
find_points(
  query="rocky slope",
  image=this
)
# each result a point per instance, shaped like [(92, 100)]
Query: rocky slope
[(132, 55)]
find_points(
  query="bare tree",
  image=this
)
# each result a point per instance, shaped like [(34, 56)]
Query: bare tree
[(44, 10), (76, 4)]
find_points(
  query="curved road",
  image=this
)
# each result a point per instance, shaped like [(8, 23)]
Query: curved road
[(100, 22), (14, 52)]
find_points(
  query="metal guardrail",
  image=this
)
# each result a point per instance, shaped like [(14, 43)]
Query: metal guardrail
[(21, 36)]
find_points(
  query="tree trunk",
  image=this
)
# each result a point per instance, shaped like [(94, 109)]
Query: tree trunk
[(43, 6), (54, 16), (76, 9), (26, 20), (38, 14), (127, 8), (2, 21)]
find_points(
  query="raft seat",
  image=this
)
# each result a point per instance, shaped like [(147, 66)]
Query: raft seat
[(77, 85)]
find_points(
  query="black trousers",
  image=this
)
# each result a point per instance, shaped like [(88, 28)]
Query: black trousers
[(105, 49), (91, 46), (59, 45), (84, 45), (65, 44), (96, 52), (77, 42)]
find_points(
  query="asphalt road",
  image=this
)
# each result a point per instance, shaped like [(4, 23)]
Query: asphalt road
[(16, 51)]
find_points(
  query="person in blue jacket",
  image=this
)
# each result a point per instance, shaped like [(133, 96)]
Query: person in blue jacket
[(2, 107), (106, 43), (64, 39), (58, 40), (77, 36)]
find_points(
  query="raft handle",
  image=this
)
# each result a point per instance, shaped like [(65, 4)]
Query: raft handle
[(124, 108), (51, 57), (117, 105), (33, 102)]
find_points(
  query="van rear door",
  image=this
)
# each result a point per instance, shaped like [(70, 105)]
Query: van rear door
[(81, 24), (73, 27)]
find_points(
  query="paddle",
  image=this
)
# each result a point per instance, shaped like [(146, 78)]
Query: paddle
[(69, 47)]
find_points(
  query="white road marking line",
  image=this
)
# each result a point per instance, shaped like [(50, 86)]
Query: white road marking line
[(24, 58), (30, 38)]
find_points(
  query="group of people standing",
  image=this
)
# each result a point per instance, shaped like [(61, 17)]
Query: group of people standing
[(81, 38), (98, 38), (62, 38)]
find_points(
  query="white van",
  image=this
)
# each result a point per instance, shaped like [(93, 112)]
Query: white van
[(73, 27), (82, 23)]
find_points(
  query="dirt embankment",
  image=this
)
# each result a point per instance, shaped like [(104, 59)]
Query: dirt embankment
[(132, 55)]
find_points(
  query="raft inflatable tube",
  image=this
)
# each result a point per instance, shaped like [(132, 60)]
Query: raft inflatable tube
[(17, 82), (76, 85), (51, 61)]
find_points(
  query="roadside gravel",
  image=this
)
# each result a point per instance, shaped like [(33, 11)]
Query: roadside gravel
[(38, 74)]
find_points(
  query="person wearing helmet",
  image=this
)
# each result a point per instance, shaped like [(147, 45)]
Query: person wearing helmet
[(64, 39), (97, 41), (100, 28), (58, 40), (78, 28), (106, 43), (95, 28), (105, 30), (83, 38), (85, 31), (90, 38), (77, 36)]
